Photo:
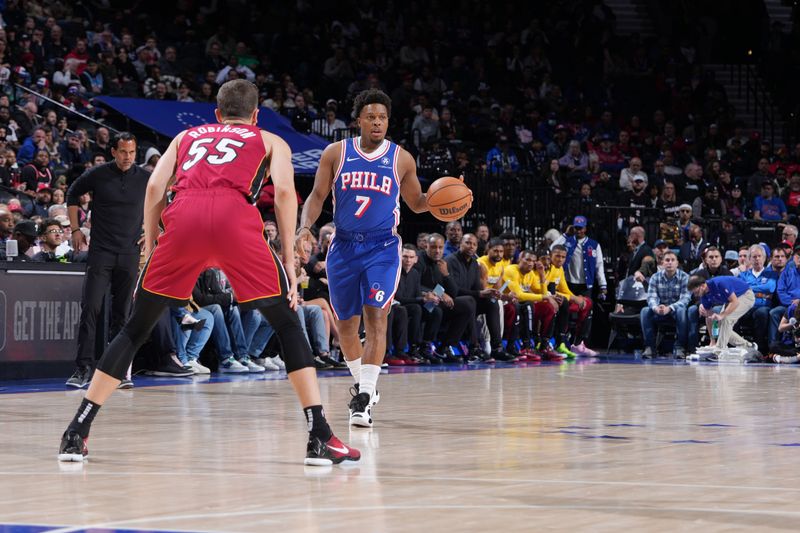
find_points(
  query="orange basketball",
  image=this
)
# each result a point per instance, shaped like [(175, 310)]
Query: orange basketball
[(449, 199)]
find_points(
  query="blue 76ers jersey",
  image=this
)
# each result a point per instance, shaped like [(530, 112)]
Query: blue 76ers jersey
[(366, 188)]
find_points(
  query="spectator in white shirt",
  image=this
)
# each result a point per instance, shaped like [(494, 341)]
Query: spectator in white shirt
[(628, 174)]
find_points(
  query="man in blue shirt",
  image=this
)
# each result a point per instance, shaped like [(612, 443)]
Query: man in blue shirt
[(765, 207), (734, 295), (788, 293), (763, 282)]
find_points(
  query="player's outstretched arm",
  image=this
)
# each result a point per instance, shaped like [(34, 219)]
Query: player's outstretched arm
[(410, 188), (323, 181), (155, 198)]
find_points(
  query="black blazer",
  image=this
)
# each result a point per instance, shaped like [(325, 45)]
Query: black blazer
[(636, 260)]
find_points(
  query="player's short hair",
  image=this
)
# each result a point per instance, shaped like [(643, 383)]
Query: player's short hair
[(237, 99), (435, 236), (494, 241), (558, 248), (528, 251), (371, 96)]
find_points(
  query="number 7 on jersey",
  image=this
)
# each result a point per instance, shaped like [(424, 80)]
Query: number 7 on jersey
[(364, 201)]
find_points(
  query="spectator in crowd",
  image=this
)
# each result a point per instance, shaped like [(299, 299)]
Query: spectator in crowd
[(639, 248), (788, 292), (420, 307), (457, 310), (574, 160), (454, 231), (767, 206), (25, 233), (692, 250), (736, 299), (755, 182), (37, 173), (501, 160), (466, 275), (667, 299), (709, 205), (777, 264), (35, 142), (634, 170), (328, 125), (763, 282), (428, 126)]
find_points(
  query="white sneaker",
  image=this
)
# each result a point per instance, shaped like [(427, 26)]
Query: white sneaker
[(251, 366), (232, 366), (266, 362), (277, 361), (647, 353), (197, 367)]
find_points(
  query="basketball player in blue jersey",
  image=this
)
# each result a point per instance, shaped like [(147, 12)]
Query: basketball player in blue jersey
[(367, 176)]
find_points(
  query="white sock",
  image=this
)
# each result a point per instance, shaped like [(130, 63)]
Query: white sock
[(355, 368), (369, 379)]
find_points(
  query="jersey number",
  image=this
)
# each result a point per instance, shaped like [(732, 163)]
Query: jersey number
[(364, 201), (225, 152)]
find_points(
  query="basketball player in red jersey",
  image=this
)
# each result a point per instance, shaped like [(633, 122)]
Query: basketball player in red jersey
[(218, 170)]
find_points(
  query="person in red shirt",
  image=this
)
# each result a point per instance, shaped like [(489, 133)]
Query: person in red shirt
[(80, 54), (216, 171)]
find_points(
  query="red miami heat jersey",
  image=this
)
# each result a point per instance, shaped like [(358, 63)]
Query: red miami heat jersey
[(206, 152)]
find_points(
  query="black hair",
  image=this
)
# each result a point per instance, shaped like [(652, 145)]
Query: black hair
[(528, 251), (494, 241), (409, 246), (558, 247), (508, 236), (695, 282), (436, 236), (371, 96), (122, 136), (47, 223)]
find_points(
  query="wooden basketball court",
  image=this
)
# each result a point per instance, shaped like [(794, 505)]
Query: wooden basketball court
[(570, 447)]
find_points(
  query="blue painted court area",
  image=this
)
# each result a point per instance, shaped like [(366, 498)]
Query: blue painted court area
[(57, 384)]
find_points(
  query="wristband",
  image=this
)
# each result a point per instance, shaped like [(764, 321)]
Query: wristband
[(301, 229), (73, 231)]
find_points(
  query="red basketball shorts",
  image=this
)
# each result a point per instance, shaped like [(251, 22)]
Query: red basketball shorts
[(207, 228)]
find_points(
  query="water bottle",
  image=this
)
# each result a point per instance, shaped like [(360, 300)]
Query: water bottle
[(714, 329)]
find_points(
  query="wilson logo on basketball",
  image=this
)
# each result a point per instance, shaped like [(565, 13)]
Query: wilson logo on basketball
[(452, 210)]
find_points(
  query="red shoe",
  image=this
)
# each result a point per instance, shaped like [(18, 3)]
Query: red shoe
[(394, 361), (530, 354), (549, 354), (334, 451)]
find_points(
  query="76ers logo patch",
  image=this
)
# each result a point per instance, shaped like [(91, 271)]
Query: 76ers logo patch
[(375, 293), (385, 161)]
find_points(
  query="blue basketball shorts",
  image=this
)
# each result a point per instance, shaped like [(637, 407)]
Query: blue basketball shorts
[(362, 269)]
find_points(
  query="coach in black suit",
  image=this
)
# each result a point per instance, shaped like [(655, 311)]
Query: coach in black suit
[(640, 249), (692, 250)]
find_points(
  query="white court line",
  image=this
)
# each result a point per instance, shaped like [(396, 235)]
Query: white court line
[(437, 478), (361, 509)]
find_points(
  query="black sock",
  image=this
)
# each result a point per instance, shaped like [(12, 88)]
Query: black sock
[(317, 425), (82, 422)]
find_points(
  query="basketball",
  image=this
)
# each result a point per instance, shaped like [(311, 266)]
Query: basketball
[(449, 199)]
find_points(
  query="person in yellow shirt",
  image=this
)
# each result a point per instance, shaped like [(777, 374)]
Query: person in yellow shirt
[(492, 266), (535, 308), (556, 285)]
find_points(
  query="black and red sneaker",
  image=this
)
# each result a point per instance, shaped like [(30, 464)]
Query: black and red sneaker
[(334, 451), (73, 448)]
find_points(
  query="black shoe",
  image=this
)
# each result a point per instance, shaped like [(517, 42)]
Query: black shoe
[(73, 448), (430, 354), (80, 378), (360, 409), (333, 362), (170, 369), (449, 356), (125, 384), (320, 364), (503, 356)]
